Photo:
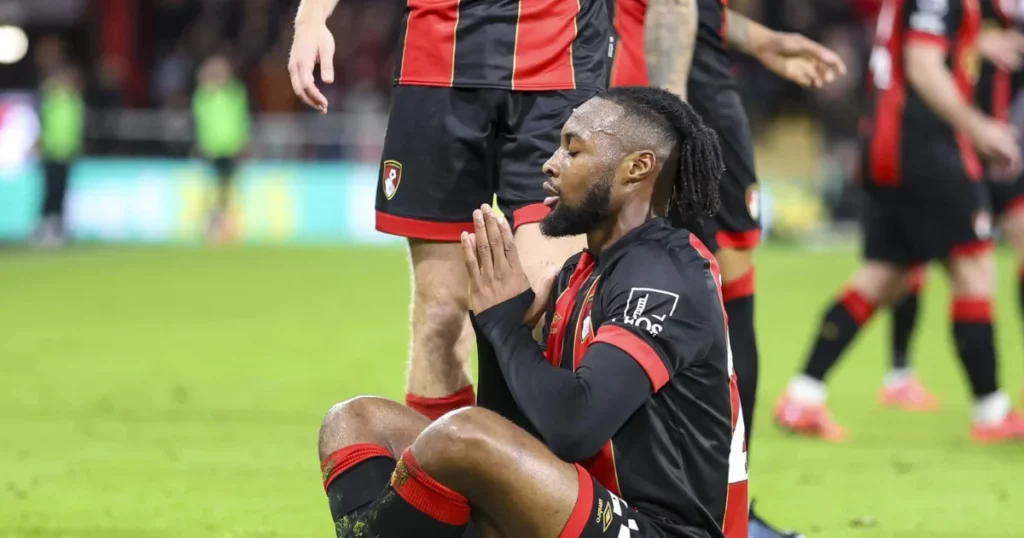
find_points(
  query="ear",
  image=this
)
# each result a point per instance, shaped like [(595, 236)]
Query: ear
[(640, 166)]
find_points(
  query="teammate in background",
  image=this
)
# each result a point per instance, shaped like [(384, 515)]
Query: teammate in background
[(482, 89), (923, 202), (221, 110), (997, 85), (62, 133), (635, 384), (694, 64)]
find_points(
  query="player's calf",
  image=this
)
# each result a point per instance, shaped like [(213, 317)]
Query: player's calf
[(359, 439), (438, 380)]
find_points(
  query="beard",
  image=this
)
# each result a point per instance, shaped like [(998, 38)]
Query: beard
[(595, 209)]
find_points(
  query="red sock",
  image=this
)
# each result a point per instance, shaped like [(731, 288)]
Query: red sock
[(434, 408), (427, 495), (354, 476)]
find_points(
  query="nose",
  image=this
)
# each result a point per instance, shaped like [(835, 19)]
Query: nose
[(551, 168)]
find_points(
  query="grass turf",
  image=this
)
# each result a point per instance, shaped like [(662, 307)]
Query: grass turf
[(177, 392)]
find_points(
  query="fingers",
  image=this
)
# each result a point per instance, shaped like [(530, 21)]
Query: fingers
[(825, 56), (327, 62), (483, 246), (469, 256), (508, 240), (494, 238), (311, 92)]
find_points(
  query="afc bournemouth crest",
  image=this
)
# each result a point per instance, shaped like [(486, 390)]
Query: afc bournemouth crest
[(392, 178), (983, 225), (753, 197)]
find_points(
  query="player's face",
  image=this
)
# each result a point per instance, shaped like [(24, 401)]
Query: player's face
[(582, 172)]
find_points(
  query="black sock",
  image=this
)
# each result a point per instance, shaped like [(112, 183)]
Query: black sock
[(839, 327), (975, 342), (353, 478), (739, 306), (904, 319), (405, 501)]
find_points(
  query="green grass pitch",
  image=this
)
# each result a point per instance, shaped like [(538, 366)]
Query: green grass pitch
[(167, 393)]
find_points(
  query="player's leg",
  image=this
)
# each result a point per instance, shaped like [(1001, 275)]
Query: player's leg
[(435, 171), (1012, 225), (529, 133), (224, 170), (514, 482), (733, 235), (882, 279), (901, 388), (1008, 206), (967, 233), (51, 230)]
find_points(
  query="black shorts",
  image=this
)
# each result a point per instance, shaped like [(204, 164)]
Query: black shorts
[(738, 222), (601, 514), (449, 150), (1005, 198), (936, 211)]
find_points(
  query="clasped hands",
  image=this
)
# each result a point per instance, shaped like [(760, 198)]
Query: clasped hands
[(495, 272)]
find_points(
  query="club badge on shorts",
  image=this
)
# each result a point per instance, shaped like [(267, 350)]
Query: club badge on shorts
[(754, 201), (983, 225), (391, 177)]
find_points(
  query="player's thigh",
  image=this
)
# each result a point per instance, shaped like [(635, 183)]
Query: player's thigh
[(739, 213), (887, 248), (436, 165), (529, 132), (528, 136)]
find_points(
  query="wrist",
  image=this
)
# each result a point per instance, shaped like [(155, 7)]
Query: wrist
[(311, 15)]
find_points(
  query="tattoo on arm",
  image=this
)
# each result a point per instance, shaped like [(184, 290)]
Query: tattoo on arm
[(670, 37)]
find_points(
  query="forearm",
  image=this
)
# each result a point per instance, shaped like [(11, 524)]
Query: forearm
[(492, 391), (670, 30), (745, 35), (315, 10), (928, 75), (573, 412)]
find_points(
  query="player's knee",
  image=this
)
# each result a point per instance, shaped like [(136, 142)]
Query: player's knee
[(734, 263), (1013, 229), (441, 320), (458, 443), (973, 275), (881, 283), (358, 417)]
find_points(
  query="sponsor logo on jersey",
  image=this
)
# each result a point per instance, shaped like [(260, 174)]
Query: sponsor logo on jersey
[(647, 308)]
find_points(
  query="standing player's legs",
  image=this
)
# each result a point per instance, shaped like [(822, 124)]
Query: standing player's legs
[(1008, 207), (436, 169), (529, 133), (901, 388), (881, 280), (971, 265), (219, 222), (469, 462), (51, 229)]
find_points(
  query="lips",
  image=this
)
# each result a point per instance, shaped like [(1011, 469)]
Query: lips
[(549, 188)]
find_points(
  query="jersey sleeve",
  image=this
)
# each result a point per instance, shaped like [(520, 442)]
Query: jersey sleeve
[(662, 312), (932, 21)]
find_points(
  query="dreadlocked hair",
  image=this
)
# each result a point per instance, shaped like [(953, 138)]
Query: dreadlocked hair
[(700, 166)]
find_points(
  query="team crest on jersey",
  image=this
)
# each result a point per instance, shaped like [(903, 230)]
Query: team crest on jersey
[(753, 198), (391, 178), (983, 225)]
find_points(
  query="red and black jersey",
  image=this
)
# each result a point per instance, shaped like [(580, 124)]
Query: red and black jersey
[(996, 87), (897, 115), (710, 71), (527, 45), (634, 380)]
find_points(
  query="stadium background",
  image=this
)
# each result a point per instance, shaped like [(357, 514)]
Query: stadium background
[(155, 385)]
